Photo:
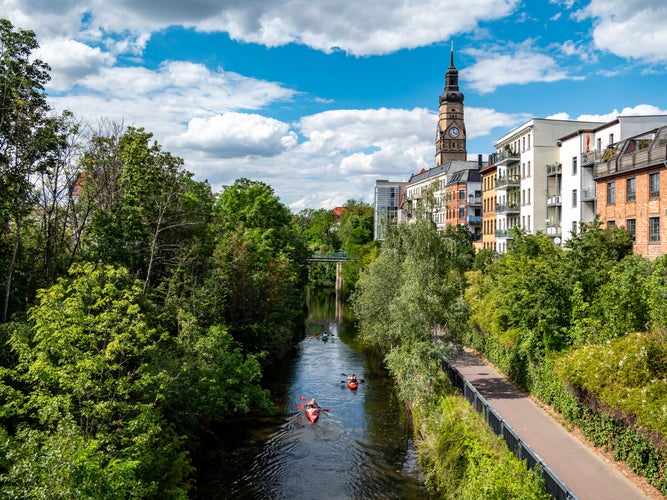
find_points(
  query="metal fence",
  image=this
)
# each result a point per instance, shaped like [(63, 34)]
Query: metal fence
[(554, 486)]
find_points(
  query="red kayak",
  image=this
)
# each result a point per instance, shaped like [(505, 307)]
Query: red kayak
[(352, 384), (313, 413)]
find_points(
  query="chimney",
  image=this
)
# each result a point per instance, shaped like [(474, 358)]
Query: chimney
[(480, 163)]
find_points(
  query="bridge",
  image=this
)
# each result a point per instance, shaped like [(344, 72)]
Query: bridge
[(330, 257), (338, 258)]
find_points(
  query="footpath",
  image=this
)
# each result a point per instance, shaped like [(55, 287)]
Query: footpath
[(586, 473)]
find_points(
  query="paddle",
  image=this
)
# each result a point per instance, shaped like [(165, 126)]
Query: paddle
[(301, 407), (360, 380)]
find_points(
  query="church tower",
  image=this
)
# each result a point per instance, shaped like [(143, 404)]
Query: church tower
[(450, 137)]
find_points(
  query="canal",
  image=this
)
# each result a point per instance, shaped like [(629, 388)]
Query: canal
[(360, 448)]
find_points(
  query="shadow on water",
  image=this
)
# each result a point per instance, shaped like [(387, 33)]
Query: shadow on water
[(361, 448)]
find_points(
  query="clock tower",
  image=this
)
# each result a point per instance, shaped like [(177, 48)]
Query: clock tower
[(450, 137)]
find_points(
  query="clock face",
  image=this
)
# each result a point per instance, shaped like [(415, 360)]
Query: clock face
[(454, 132)]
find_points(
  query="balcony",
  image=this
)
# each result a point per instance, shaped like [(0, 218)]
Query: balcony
[(588, 194), (508, 181), (554, 169), (590, 158), (554, 200), (503, 233), (553, 230), (505, 156), (473, 219), (509, 208), (631, 161)]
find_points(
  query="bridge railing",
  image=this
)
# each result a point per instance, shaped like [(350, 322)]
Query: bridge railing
[(553, 484)]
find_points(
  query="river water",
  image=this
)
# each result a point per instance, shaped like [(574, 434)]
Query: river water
[(361, 448)]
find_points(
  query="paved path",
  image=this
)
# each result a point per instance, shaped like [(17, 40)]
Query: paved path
[(588, 475)]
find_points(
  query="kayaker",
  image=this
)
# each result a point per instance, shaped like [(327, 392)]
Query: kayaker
[(312, 404), (352, 378)]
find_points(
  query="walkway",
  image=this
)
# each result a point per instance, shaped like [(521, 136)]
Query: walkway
[(588, 475)]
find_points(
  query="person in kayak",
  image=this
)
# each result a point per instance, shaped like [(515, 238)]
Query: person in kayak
[(312, 405), (352, 378)]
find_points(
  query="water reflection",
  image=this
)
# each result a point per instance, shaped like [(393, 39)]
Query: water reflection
[(360, 448)]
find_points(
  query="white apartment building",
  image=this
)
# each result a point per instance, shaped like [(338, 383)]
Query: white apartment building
[(579, 152), (525, 159)]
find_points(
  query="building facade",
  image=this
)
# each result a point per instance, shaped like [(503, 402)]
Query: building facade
[(631, 183), (386, 205)]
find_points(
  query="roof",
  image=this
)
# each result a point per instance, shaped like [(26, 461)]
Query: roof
[(450, 167)]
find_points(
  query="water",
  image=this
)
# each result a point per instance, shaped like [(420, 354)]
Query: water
[(361, 448)]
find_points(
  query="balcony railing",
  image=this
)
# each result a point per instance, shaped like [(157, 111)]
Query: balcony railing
[(474, 219), (553, 230), (503, 233), (504, 156), (631, 161), (588, 194), (554, 169), (505, 181), (508, 208), (554, 200), (590, 158)]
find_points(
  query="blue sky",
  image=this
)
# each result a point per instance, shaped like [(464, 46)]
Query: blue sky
[(319, 99)]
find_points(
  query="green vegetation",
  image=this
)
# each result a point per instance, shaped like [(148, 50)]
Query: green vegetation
[(139, 308), (411, 310), (583, 330)]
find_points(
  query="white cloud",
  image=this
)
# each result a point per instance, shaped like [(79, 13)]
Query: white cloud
[(359, 28), (629, 28), (71, 61), (513, 65), (232, 135), (639, 110)]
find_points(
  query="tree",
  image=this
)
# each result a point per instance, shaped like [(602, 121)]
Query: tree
[(89, 366), (153, 216), (23, 111), (260, 268)]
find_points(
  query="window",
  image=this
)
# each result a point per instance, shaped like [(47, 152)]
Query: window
[(462, 194), (631, 191), (611, 223), (654, 229), (631, 225), (528, 169), (599, 145), (611, 138), (654, 185), (574, 227), (528, 201), (462, 213), (611, 193), (574, 198), (528, 141), (574, 165)]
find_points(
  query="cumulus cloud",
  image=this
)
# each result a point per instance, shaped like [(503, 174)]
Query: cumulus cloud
[(234, 134), (358, 28), (71, 61), (629, 28), (511, 65)]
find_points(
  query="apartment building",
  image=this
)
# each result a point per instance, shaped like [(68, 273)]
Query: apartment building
[(386, 203), (489, 175), (631, 184), (524, 190), (580, 152)]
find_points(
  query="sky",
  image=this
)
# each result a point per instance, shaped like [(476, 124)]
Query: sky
[(320, 98)]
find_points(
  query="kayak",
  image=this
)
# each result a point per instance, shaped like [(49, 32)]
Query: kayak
[(352, 385), (324, 337), (313, 413)]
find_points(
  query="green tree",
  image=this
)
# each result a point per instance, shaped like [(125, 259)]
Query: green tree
[(148, 213), (88, 364), (23, 115), (260, 268)]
